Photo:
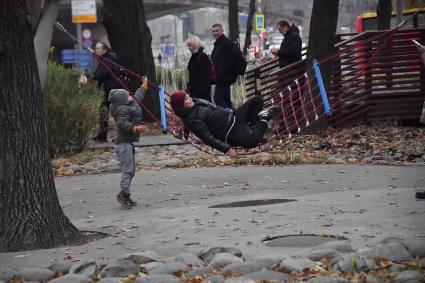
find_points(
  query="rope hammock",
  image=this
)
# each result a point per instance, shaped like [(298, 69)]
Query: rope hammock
[(302, 102)]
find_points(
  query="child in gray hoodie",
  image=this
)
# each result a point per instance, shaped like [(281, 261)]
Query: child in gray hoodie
[(128, 116)]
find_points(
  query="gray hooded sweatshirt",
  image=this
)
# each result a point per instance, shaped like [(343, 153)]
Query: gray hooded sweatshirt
[(127, 114)]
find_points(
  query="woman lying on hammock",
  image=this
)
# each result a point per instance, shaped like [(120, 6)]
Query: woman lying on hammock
[(223, 128)]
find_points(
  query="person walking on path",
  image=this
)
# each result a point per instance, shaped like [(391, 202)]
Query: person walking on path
[(291, 46), (128, 115), (421, 50), (108, 82), (421, 194), (199, 85), (223, 57), (223, 128)]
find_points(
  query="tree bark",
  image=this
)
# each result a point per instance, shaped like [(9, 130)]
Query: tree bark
[(31, 217), (249, 26), (43, 37), (383, 10), (34, 11), (233, 20), (321, 41), (413, 3), (130, 37)]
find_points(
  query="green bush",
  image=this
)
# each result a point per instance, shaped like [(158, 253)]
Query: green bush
[(71, 109)]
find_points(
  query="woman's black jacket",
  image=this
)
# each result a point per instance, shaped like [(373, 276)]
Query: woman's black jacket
[(103, 75), (209, 122), (199, 80)]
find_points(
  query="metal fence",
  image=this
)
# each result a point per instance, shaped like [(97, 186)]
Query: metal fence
[(374, 75)]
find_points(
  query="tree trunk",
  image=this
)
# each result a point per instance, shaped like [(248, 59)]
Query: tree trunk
[(321, 41), (233, 20), (31, 217), (34, 10), (249, 27), (130, 37), (383, 10), (413, 3), (43, 37)]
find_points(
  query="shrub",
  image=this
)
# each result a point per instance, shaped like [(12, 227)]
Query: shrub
[(71, 109)]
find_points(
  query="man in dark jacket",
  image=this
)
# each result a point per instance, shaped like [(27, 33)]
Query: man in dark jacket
[(290, 48), (421, 48), (128, 117), (108, 82), (223, 128), (223, 56)]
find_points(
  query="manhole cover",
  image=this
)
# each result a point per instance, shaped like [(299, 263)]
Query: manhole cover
[(256, 202), (300, 241)]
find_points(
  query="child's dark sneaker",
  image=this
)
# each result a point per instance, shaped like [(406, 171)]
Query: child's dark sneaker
[(269, 113), (123, 200), (129, 200)]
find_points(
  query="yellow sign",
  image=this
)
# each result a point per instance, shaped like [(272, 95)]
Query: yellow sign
[(84, 19), (84, 11), (259, 22)]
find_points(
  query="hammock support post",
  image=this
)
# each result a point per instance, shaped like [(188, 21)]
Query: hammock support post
[(322, 89), (163, 110)]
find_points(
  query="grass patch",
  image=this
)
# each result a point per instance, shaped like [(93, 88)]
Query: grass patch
[(296, 159), (320, 159)]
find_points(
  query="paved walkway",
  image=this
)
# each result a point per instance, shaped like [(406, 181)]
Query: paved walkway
[(363, 203)]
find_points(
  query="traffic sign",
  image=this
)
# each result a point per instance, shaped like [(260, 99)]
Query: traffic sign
[(82, 58), (259, 22), (86, 33), (168, 50), (84, 11)]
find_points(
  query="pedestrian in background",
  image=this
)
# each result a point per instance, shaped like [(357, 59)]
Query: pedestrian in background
[(107, 81), (291, 46), (223, 57), (199, 85), (421, 50)]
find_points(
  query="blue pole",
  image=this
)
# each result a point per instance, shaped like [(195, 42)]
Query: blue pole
[(163, 110), (325, 100)]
